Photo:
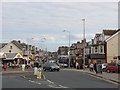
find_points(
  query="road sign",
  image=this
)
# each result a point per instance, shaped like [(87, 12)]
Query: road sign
[(39, 73)]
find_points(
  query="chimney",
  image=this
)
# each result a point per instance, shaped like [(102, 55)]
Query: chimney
[(84, 41), (92, 41), (78, 42), (19, 41)]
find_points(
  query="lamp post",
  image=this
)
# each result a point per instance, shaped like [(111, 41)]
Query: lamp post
[(84, 43), (69, 46)]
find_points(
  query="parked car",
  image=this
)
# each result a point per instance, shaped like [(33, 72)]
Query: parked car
[(50, 66), (113, 67), (63, 65), (104, 66)]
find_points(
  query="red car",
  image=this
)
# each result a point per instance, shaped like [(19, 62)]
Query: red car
[(113, 67)]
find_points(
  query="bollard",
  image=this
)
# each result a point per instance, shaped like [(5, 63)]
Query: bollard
[(39, 73), (35, 70)]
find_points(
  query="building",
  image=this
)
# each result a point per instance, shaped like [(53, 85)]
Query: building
[(63, 50), (96, 48), (113, 48)]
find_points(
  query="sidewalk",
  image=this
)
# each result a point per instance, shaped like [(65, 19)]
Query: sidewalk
[(115, 77), (16, 70)]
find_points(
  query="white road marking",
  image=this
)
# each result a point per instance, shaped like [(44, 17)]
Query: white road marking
[(63, 86), (50, 81), (35, 82)]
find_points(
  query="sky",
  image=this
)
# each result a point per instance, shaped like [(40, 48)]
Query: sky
[(42, 23)]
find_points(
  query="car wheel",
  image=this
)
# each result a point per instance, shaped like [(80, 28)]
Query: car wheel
[(57, 69), (108, 71)]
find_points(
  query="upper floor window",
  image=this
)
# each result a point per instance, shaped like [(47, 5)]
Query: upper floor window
[(101, 49), (95, 49), (10, 47)]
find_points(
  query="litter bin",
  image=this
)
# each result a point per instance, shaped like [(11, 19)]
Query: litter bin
[(99, 68)]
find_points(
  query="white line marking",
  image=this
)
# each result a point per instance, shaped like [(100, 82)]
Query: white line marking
[(53, 86), (34, 82), (50, 81), (31, 81), (63, 86)]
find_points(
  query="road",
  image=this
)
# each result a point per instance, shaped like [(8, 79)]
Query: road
[(61, 79), (74, 79)]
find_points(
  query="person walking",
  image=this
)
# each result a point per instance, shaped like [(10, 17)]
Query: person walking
[(95, 68), (5, 67), (13, 65), (91, 67)]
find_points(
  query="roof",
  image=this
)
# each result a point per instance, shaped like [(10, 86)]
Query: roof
[(109, 32), (113, 36), (2, 45), (17, 44), (2, 56), (97, 56), (10, 55)]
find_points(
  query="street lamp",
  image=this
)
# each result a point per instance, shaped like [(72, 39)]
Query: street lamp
[(69, 46), (84, 44)]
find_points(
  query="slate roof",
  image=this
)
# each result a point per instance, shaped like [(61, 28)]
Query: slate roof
[(17, 44), (2, 45), (10, 55)]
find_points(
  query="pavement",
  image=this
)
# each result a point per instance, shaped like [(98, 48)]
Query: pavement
[(113, 77), (16, 70)]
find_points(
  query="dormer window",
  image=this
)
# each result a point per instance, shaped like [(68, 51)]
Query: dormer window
[(10, 47)]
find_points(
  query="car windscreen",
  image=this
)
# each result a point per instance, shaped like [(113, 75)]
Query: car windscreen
[(53, 64)]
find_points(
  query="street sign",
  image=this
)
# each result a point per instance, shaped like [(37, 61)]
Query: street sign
[(39, 73)]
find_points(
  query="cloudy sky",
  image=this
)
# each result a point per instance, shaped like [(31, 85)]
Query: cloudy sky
[(33, 21)]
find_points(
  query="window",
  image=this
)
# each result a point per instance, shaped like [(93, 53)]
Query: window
[(9, 50), (10, 47), (101, 49), (95, 49)]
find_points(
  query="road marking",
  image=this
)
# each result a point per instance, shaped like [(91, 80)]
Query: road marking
[(35, 82), (63, 86), (50, 81), (31, 81), (53, 86)]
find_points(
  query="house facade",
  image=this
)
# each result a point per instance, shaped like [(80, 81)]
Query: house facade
[(113, 48)]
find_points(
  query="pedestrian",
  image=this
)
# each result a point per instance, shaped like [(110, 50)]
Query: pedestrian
[(23, 67), (77, 65), (5, 67), (91, 67), (95, 68), (13, 65)]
